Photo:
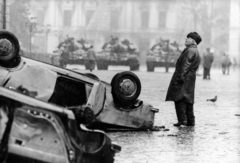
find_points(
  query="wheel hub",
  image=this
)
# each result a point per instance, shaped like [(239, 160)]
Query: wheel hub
[(5, 47), (127, 87)]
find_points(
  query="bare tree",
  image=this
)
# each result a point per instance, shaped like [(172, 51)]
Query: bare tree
[(209, 17), (18, 19)]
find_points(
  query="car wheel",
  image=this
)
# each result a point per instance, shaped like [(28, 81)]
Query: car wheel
[(9, 48), (126, 87)]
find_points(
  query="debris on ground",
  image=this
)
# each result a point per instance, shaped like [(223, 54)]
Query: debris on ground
[(157, 128), (171, 135), (222, 133)]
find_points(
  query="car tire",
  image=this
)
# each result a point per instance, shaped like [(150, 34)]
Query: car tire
[(7, 57), (126, 88)]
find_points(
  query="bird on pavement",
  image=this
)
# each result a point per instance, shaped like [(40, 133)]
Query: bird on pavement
[(213, 99)]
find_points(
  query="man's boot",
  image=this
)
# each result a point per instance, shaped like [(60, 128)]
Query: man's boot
[(181, 114), (180, 123), (191, 122), (190, 115)]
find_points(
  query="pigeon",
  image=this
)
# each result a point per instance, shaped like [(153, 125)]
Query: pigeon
[(213, 99)]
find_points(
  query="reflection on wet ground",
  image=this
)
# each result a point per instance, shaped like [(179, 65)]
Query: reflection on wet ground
[(214, 139)]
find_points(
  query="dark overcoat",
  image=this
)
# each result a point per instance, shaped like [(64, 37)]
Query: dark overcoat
[(182, 84), (91, 55)]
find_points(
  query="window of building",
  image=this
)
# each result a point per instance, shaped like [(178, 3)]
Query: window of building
[(89, 14), (67, 17), (162, 19), (144, 19), (114, 19)]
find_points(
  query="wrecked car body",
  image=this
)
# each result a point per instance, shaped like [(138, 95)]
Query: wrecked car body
[(33, 131), (114, 104)]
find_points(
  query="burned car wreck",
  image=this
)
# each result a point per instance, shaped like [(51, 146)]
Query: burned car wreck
[(33, 131), (115, 104)]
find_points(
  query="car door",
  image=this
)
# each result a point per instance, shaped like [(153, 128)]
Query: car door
[(31, 133), (97, 98)]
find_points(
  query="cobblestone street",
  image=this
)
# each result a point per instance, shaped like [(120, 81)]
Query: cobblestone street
[(214, 139)]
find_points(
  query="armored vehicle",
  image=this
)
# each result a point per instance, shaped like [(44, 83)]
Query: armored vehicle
[(162, 54), (116, 54), (71, 52)]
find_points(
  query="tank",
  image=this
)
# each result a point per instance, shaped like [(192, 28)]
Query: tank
[(162, 54)]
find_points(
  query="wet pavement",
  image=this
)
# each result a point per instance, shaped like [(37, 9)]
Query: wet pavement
[(214, 139)]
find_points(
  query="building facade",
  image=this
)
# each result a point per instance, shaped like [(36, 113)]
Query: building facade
[(142, 22), (234, 30)]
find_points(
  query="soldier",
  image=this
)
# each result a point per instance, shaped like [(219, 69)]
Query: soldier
[(64, 58), (182, 85), (226, 63), (129, 47), (91, 58), (207, 63), (235, 64), (117, 49)]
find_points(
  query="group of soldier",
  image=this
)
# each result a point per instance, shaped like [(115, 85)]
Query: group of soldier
[(208, 58)]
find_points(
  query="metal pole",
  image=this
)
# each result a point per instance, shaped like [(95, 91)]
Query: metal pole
[(30, 45), (167, 57), (4, 14), (47, 41)]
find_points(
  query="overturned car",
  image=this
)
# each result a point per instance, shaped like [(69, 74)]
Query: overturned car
[(114, 105), (32, 131)]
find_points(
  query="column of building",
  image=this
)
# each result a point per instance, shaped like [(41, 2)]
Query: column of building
[(234, 29)]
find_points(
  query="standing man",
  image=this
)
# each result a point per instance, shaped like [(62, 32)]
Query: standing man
[(182, 85), (226, 63), (207, 63), (64, 57), (91, 58), (235, 64)]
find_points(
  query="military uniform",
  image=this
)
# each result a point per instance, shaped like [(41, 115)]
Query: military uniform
[(207, 63)]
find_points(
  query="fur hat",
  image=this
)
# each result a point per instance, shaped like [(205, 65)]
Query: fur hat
[(195, 36)]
